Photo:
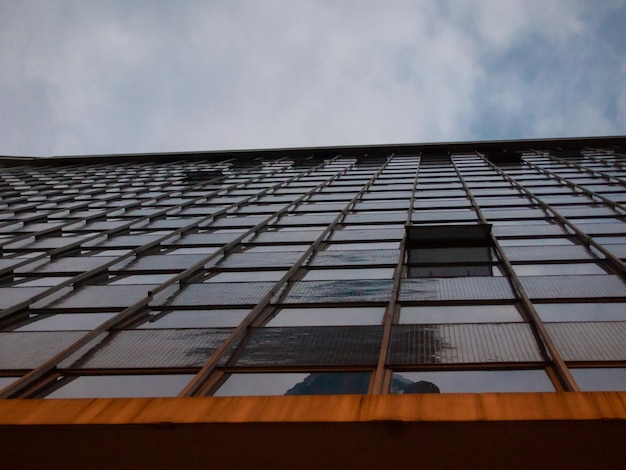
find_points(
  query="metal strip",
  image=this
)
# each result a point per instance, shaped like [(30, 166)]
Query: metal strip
[(195, 386), (380, 377), (27, 380), (544, 340)]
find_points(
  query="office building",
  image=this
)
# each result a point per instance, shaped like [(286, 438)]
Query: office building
[(432, 304)]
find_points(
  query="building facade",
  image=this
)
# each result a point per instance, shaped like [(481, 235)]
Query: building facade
[(379, 272)]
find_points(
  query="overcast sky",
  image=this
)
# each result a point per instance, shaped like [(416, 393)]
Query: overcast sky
[(91, 77)]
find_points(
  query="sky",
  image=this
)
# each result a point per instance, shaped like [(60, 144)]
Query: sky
[(99, 77)]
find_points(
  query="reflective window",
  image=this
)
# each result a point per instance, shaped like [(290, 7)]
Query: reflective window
[(557, 269), (194, 251), (196, 319), (363, 246), (460, 314), (44, 282), (122, 386), (65, 321), (247, 276), (601, 379), (288, 383), (471, 381), (6, 381), (582, 312), (142, 279), (535, 241), (343, 274), (276, 248), (328, 316)]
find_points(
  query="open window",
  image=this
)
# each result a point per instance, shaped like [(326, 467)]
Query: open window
[(449, 251)]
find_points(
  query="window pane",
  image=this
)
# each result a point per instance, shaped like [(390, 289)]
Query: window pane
[(66, 322), (460, 314), (471, 381), (121, 386), (363, 246), (600, 380), (196, 319), (557, 269), (142, 279), (366, 273), (315, 383), (582, 312), (247, 276), (5, 381), (328, 316)]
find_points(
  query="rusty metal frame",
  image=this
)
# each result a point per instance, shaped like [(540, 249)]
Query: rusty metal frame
[(210, 376), (99, 333), (381, 377), (609, 178), (544, 340)]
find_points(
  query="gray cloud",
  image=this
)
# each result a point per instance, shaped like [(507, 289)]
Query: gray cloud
[(142, 76)]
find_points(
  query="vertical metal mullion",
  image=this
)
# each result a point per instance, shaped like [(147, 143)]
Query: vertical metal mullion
[(562, 371), (74, 280), (544, 340), (586, 240), (609, 178), (613, 162), (28, 379), (210, 368), (390, 310), (582, 189)]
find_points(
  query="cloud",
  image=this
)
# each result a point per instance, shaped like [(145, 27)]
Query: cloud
[(88, 77)]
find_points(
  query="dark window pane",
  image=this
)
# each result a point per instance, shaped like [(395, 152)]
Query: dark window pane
[(328, 316), (474, 381), (315, 383)]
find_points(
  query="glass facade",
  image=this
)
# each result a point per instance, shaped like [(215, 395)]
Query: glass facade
[(402, 270)]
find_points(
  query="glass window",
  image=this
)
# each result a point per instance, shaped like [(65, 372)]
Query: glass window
[(289, 383), (142, 279), (6, 381), (343, 274), (460, 314), (207, 250), (582, 312), (328, 316), (195, 319), (535, 241), (471, 381), (122, 386), (247, 276), (600, 379), (557, 269), (275, 248), (44, 282), (65, 322), (363, 246), (458, 251)]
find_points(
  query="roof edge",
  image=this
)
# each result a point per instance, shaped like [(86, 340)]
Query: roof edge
[(324, 151)]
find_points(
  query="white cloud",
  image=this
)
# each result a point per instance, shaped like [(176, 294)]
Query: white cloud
[(155, 76)]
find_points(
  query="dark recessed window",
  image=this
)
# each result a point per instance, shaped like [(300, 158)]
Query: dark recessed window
[(449, 251)]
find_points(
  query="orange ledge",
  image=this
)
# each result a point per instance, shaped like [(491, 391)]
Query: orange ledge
[(319, 408), (517, 430)]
